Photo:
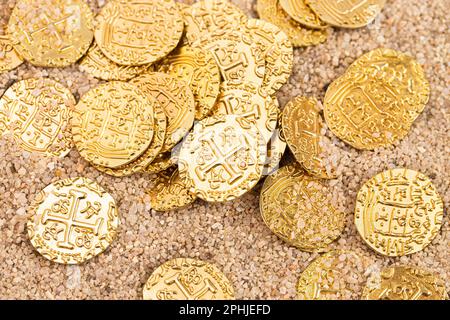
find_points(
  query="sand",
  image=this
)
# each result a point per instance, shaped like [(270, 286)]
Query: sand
[(233, 235)]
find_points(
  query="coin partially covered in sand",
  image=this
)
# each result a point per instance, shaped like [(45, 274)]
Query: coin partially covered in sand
[(72, 220), (299, 210), (188, 279), (404, 283), (51, 33)]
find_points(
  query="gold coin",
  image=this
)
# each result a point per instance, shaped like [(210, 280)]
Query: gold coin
[(151, 154), (208, 16), (403, 74), (366, 112), (72, 220), (251, 103), (188, 279), (38, 112), (278, 52), (99, 66), (404, 283), (9, 58), (271, 11), (51, 33), (348, 13), (275, 151), (326, 278), (198, 68), (221, 159), (162, 162), (298, 209), (170, 192), (398, 212), (177, 101), (4, 122), (138, 32), (236, 54), (113, 124), (302, 125), (302, 13)]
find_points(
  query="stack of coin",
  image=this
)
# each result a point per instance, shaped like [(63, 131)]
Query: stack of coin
[(307, 22)]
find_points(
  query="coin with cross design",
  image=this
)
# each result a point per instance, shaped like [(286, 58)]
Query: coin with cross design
[(221, 159), (38, 112), (9, 58), (72, 220), (51, 33), (113, 124), (188, 279)]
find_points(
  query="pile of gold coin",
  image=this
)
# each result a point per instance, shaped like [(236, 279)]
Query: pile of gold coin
[(307, 22), (188, 93)]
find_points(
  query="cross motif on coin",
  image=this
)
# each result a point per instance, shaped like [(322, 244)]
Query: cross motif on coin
[(69, 221), (188, 292), (220, 159)]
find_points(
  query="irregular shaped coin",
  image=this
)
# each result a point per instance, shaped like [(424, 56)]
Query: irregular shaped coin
[(38, 112), (404, 283), (138, 32), (113, 124), (9, 58), (271, 11), (398, 212), (51, 33), (221, 159), (188, 279), (302, 124), (170, 192), (347, 13), (198, 68), (299, 210), (72, 220)]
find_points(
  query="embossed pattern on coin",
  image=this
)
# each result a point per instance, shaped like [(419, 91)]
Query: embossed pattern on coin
[(366, 112), (398, 212), (252, 104), (302, 13), (221, 159), (302, 124), (137, 32), (298, 209), (188, 279), (177, 101), (402, 73), (51, 33), (113, 124), (404, 283), (170, 192), (141, 163), (9, 58), (271, 11), (347, 13), (275, 151), (208, 16), (72, 220), (99, 66), (324, 278), (38, 113), (236, 54), (278, 53), (198, 68)]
